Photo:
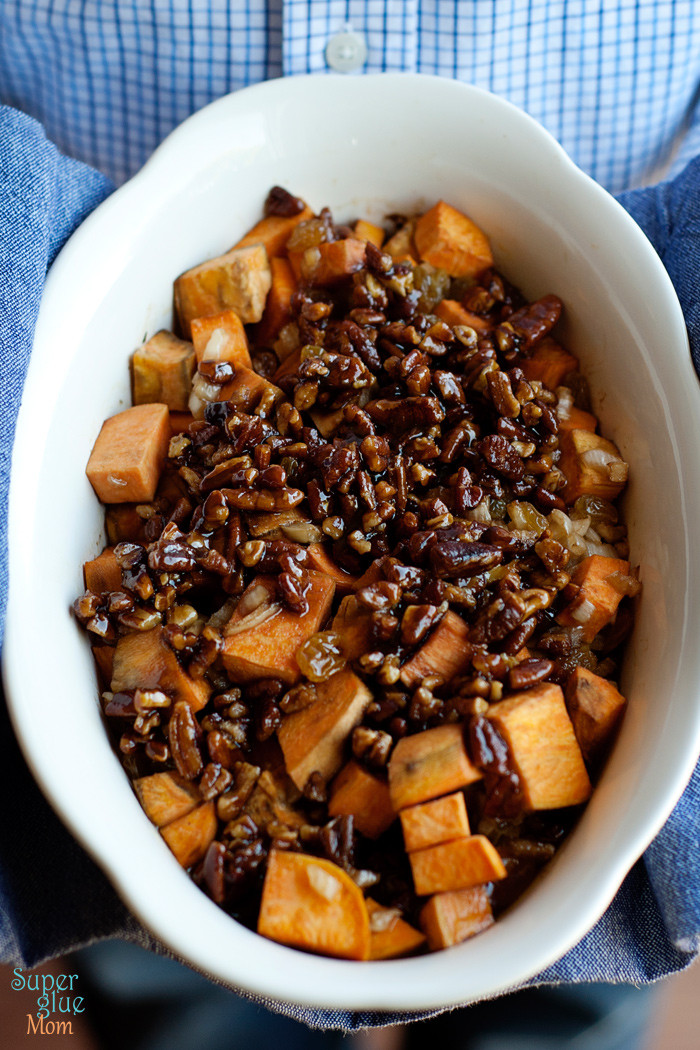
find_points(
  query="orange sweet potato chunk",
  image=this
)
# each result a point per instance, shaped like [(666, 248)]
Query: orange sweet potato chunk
[(453, 313), (430, 823), (549, 363), (313, 904), (390, 935), (353, 625), (189, 837), (368, 231), (450, 240), (446, 652), (456, 865), (360, 794), (162, 370), (103, 573), (268, 650), (221, 337), (591, 464), (321, 560), (273, 232), (595, 599), (313, 739), (577, 419), (127, 459), (543, 744), (453, 917), (247, 389), (332, 261), (595, 707), (278, 306), (144, 660), (238, 280), (429, 764), (165, 796)]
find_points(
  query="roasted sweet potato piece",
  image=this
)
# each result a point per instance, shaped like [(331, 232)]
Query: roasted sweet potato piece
[(596, 708), (549, 363), (576, 419), (592, 466), (189, 837), (162, 370), (273, 232), (278, 306), (594, 600), (400, 245), (430, 823), (358, 793), (123, 522), (450, 918), (265, 646), (456, 865), (446, 652), (353, 625), (313, 739), (544, 747), (144, 660), (429, 764), (390, 935), (221, 337), (367, 231), (127, 459), (180, 421), (322, 561), (166, 796), (103, 573), (103, 655), (238, 280), (270, 525), (313, 904), (453, 313), (332, 261), (451, 241)]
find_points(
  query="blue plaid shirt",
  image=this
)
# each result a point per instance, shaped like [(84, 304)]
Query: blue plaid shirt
[(615, 81)]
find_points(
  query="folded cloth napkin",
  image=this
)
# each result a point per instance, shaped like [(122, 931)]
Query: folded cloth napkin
[(52, 897)]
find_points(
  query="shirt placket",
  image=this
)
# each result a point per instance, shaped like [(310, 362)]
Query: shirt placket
[(388, 31)]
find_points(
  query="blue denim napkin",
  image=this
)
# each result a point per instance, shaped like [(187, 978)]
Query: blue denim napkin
[(53, 899)]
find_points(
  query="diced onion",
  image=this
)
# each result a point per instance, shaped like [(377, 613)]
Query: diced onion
[(565, 403), (325, 884), (218, 341), (383, 919), (583, 612)]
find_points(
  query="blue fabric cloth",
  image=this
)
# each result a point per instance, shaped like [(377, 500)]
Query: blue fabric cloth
[(614, 82), (52, 897)]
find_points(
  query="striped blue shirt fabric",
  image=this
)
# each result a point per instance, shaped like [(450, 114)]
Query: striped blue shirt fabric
[(617, 82)]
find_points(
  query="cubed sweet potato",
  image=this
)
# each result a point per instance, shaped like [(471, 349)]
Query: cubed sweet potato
[(430, 823), (360, 794), (353, 625), (103, 655), (429, 764), (549, 363), (166, 796), (390, 935), (162, 370), (313, 904), (368, 231), (123, 522), (127, 459), (453, 313), (544, 747), (332, 261), (591, 464), (180, 421), (221, 337), (447, 652), (144, 660), (450, 918), (278, 306), (273, 232), (270, 525), (313, 739), (321, 560), (594, 600), (247, 389), (576, 419), (238, 280), (595, 707), (103, 573), (400, 245), (268, 650), (189, 837), (450, 240), (456, 865)]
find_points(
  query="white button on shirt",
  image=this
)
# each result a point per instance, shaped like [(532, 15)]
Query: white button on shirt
[(346, 51), (615, 82)]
